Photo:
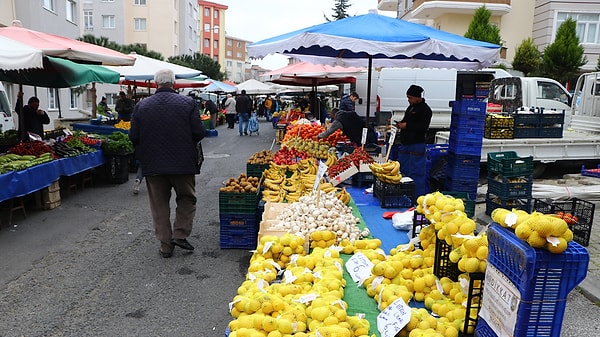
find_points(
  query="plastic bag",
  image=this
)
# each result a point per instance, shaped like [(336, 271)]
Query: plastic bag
[(403, 220)]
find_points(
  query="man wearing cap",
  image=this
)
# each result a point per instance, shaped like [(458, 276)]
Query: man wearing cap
[(409, 147)]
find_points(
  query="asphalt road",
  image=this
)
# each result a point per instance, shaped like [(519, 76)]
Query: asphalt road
[(91, 267)]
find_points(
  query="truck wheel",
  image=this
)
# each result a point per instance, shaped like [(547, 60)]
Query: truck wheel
[(538, 170)]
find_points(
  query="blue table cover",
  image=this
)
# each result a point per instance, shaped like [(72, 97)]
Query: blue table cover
[(19, 183)]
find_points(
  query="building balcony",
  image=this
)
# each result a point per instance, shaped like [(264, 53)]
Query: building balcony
[(387, 5), (431, 9)]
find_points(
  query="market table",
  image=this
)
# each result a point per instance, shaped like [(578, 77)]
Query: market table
[(99, 129), (20, 183)]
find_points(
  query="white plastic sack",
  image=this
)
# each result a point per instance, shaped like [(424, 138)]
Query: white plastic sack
[(403, 220)]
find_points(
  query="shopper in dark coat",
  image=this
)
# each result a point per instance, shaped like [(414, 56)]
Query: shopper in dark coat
[(243, 106), (165, 130), (33, 117)]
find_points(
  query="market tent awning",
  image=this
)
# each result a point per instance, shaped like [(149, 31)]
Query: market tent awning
[(60, 73), (254, 87), (15, 56), (145, 67), (63, 47), (309, 74), (218, 86)]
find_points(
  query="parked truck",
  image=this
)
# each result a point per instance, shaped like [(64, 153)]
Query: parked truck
[(6, 118), (580, 141)]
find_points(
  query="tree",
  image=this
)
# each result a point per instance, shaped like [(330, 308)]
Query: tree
[(480, 28), (125, 49), (204, 63), (528, 58), (339, 10), (563, 57), (598, 65)]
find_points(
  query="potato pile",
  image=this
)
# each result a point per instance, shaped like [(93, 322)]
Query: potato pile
[(243, 184), (261, 157)]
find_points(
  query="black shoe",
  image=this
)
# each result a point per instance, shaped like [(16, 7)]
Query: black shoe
[(245, 133), (182, 243), (166, 255)]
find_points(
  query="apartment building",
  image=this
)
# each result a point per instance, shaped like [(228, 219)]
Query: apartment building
[(167, 27), (236, 57), (517, 20)]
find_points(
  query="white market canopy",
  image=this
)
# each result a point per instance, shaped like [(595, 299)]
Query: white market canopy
[(18, 56)]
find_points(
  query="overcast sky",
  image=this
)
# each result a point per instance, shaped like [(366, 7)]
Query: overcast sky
[(257, 20)]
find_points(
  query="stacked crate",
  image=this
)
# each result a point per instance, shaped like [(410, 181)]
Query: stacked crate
[(530, 286), (510, 181), (577, 213), (537, 123), (464, 148), (499, 126), (238, 220)]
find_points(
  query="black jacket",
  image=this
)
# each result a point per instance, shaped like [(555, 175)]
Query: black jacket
[(417, 118), (243, 104), (165, 129)]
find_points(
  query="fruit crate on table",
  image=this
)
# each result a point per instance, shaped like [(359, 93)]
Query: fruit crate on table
[(442, 266), (238, 203), (542, 279), (238, 231), (394, 195), (508, 164), (581, 209), (256, 170), (419, 222)]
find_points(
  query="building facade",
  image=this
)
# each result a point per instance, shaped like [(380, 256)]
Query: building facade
[(212, 30), (236, 59), (517, 20)]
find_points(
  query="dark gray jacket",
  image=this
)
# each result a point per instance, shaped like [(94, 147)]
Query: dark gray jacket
[(165, 129)]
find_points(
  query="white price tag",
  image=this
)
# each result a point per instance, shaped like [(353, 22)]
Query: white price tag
[(320, 172), (393, 132), (359, 267), (393, 318), (363, 139)]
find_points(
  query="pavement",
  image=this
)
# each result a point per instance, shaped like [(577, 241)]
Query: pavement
[(91, 266)]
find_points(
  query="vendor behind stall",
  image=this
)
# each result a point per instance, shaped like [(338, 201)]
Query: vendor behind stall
[(124, 107), (349, 122)]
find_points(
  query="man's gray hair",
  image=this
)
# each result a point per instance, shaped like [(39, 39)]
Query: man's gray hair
[(164, 78)]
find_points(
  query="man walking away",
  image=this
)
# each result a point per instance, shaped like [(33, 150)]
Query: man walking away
[(165, 129), (243, 106)]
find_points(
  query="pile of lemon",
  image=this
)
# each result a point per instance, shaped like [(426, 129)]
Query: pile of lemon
[(537, 229)]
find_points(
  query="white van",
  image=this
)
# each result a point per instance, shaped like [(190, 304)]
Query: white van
[(362, 82), (6, 118), (442, 87)]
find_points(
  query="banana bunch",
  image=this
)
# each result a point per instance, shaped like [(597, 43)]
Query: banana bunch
[(388, 172), (331, 159), (307, 167), (344, 196)]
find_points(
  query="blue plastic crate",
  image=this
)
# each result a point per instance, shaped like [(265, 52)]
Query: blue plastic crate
[(550, 132), (465, 146), (468, 186), (238, 231), (526, 131), (527, 118), (552, 118), (483, 329), (469, 107), (467, 120), (543, 279)]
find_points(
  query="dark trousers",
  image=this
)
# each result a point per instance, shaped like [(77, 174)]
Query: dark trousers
[(230, 118), (159, 195)]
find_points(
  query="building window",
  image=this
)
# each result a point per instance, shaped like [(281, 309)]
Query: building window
[(239, 44), (49, 5), (206, 43), (588, 26), (238, 54), (239, 64), (107, 1), (139, 24), (207, 27), (175, 27), (71, 8), (206, 11), (229, 63), (52, 93), (190, 33), (229, 42), (108, 21), (216, 29), (229, 53), (216, 44), (216, 58), (139, 2), (74, 95), (88, 19), (216, 14), (111, 98)]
